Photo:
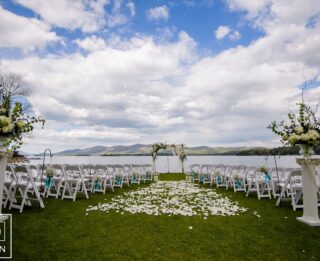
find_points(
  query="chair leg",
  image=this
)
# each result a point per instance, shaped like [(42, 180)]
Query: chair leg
[(75, 191), (39, 198), (64, 190), (85, 189), (25, 192), (8, 197)]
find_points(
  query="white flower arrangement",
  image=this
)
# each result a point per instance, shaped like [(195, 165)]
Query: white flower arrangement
[(50, 172), (304, 128), (263, 169)]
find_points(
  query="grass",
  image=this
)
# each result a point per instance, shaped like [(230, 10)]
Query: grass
[(62, 231)]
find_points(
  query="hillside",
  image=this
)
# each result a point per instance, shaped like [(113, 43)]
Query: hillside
[(140, 149)]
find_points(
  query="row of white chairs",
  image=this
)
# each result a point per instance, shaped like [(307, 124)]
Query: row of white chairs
[(27, 183), (280, 183)]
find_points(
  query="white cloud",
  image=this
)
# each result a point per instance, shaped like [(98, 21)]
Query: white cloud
[(221, 32), (269, 13), (146, 91), (25, 33), (235, 36), (92, 43), (158, 13), (253, 8), (86, 15), (132, 8), (89, 16)]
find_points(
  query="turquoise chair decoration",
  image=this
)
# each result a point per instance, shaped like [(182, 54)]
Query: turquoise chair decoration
[(118, 181), (148, 175), (48, 182), (97, 185), (267, 178), (238, 184), (194, 175)]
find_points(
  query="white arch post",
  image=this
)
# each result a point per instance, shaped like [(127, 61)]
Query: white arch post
[(178, 150)]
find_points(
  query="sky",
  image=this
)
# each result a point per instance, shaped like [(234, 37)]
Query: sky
[(198, 72)]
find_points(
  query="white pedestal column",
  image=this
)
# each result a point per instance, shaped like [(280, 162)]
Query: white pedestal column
[(310, 201), (3, 162)]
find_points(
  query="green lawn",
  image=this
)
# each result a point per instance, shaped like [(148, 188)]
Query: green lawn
[(62, 231)]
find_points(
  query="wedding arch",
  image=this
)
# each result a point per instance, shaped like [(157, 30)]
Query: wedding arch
[(178, 150)]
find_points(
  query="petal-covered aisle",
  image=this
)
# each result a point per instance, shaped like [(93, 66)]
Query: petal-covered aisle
[(171, 198)]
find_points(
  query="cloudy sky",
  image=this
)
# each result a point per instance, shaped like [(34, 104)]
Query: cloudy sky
[(201, 72)]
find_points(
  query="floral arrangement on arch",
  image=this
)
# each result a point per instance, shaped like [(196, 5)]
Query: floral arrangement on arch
[(182, 153), (14, 122), (156, 147), (304, 127)]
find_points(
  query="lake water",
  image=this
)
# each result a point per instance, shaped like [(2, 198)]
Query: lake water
[(171, 163)]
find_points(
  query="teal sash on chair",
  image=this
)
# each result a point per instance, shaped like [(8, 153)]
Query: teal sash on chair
[(48, 182), (194, 175), (118, 181), (267, 177), (238, 184), (148, 175), (97, 185)]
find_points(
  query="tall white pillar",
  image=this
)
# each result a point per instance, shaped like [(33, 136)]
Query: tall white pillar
[(3, 162), (310, 201)]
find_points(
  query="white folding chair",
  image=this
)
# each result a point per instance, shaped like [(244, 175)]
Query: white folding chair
[(73, 182), (194, 172), (147, 168), (259, 183), (220, 174), (102, 179), (276, 175), (204, 175), (25, 188), (88, 171), (55, 184), (238, 178), (136, 174), (9, 182), (228, 175), (291, 189), (120, 177)]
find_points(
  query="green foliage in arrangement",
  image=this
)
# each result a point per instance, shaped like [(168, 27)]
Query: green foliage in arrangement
[(14, 122)]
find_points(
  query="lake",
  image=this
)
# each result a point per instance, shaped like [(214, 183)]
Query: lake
[(171, 163)]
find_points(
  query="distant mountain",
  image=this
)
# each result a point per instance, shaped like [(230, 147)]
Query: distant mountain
[(69, 152), (142, 149)]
